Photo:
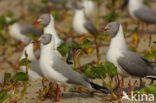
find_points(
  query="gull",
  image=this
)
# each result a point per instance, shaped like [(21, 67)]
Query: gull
[(19, 32), (34, 68), (128, 63), (47, 21), (141, 12), (54, 69), (80, 23)]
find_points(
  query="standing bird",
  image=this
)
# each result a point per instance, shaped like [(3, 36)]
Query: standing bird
[(47, 21), (54, 69), (19, 32), (83, 26), (34, 68), (80, 23), (128, 63), (141, 12)]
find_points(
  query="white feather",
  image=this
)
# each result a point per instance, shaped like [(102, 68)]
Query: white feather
[(78, 22), (34, 68), (117, 45), (15, 33), (134, 5)]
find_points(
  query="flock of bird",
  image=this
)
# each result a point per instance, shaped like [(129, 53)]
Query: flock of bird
[(50, 64)]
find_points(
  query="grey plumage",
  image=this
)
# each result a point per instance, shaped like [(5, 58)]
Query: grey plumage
[(26, 30), (136, 65), (90, 27), (146, 14), (72, 76)]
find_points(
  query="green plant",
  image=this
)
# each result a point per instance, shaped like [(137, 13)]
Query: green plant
[(111, 16)]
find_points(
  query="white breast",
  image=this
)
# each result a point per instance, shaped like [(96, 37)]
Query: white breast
[(46, 62), (34, 68), (78, 22), (134, 5), (117, 45)]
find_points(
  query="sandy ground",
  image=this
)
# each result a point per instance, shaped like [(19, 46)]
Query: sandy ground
[(66, 96)]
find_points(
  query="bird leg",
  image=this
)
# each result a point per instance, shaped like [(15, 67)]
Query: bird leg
[(142, 30), (152, 81), (57, 93), (129, 87), (122, 85), (141, 83)]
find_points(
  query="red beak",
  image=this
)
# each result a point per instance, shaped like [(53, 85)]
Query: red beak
[(103, 29), (36, 41), (36, 22)]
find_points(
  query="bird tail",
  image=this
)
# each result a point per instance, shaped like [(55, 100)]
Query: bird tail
[(100, 88)]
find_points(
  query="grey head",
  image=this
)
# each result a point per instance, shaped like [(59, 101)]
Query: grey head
[(78, 6), (112, 28), (44, 19), (46, 39)]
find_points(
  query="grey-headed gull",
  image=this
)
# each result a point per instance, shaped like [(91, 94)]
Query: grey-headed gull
[(80, 23), (128, 63), (139, 11), (54, 69)]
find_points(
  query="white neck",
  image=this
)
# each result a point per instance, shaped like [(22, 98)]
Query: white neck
[(118, 42), (79, 15), (50, 28), (47, 50)]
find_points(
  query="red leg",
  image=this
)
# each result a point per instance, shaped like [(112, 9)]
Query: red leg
[(142, 31), (58, 93), (129, 86), (119, 90), (122, 85)]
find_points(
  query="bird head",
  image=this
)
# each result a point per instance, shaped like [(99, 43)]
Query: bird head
[(44, 19), (111, 28), (44, 39)]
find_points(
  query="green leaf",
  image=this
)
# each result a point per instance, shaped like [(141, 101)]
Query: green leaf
[(31, 36), (151, 56), (55, 14), (3, 40), (3, 93), (44, 1), (111, 16), (86, 44), (21, 76), (4, 96), (23, 62), (111, 69), (90, 74), (151, 89), (74, 45), (63, 49), (7, 76)]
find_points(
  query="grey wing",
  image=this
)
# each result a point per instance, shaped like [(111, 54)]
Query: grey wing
[(90, 27), (146, 14), (26, 30), (136, 65), (72, 76)]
